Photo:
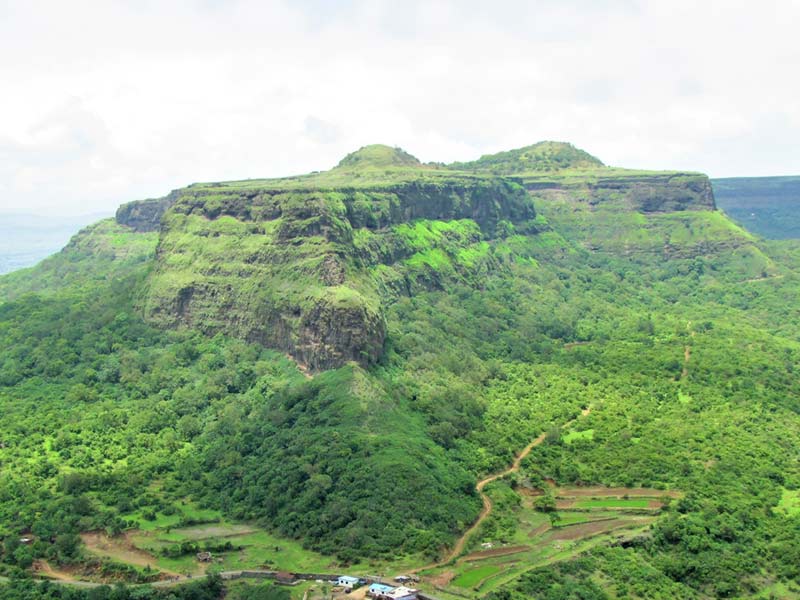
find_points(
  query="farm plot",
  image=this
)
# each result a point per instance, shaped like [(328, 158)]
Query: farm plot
[(591, 528), (618, 492), (584, 517), (615, 503), (473, 577)]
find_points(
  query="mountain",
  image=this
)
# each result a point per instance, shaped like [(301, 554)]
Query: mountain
[(312, 373), (299, 264), (767, 206)]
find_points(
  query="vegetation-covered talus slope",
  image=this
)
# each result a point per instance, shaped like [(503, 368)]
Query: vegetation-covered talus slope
[(287, 263), (137, 386)]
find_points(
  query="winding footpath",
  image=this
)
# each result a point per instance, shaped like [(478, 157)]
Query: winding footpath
[(687, 352), (458, 548)]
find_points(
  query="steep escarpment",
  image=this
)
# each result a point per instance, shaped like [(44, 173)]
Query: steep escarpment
[(641, 191), (144, 215), (285, 262), (647, 216)]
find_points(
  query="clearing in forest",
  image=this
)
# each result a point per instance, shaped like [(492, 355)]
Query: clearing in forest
[(120, 549)]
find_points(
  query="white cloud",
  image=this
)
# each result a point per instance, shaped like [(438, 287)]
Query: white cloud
[(108, 101)]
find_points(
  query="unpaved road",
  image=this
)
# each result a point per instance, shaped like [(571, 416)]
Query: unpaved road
[(458, 548)]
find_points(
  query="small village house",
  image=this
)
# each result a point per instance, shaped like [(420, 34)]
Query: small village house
[(348, 582), (402, 593), (379, 590)]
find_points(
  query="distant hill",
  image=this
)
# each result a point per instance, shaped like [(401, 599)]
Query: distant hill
[(768, 206), (27, 239)]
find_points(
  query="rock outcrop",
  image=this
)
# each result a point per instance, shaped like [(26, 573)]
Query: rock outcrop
[(144, 215), (630, 190)]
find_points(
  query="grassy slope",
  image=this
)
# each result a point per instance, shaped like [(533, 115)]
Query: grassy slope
[(97, 254)]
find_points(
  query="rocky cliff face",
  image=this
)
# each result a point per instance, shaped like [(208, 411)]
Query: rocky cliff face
[(282, 262), (648, 216), (144, 215), (634, 191)]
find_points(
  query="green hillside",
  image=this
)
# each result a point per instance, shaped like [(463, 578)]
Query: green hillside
[(767, 206), (323, 366)]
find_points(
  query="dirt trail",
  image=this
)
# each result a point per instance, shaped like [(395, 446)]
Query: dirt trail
[(458, 548), (767, 278), (687, 355), (687, 352), (45, 568)]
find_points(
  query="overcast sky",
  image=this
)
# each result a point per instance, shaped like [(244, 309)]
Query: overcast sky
[(108, 101)]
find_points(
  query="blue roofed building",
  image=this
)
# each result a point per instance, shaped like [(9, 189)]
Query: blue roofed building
[(379, 590)]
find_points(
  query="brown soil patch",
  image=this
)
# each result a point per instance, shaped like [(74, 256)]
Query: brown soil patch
[(496, 552), (606, 492), (120, 549), (358, 594), (42, 567), (655, 504), (301, 366), (214, 531), (583, 530), (687, 355), (442, 579), (564, 504), (571, 345)]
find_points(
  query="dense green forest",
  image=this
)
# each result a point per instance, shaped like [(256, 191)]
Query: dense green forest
[(678, 328)]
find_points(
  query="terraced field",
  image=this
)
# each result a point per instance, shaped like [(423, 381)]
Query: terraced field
[(585, 517)]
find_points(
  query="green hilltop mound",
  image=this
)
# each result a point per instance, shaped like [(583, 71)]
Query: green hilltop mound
[(543, 156), (378, 155)]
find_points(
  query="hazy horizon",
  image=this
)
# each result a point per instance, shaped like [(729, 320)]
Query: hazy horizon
[(151, 96), (26, 239)]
